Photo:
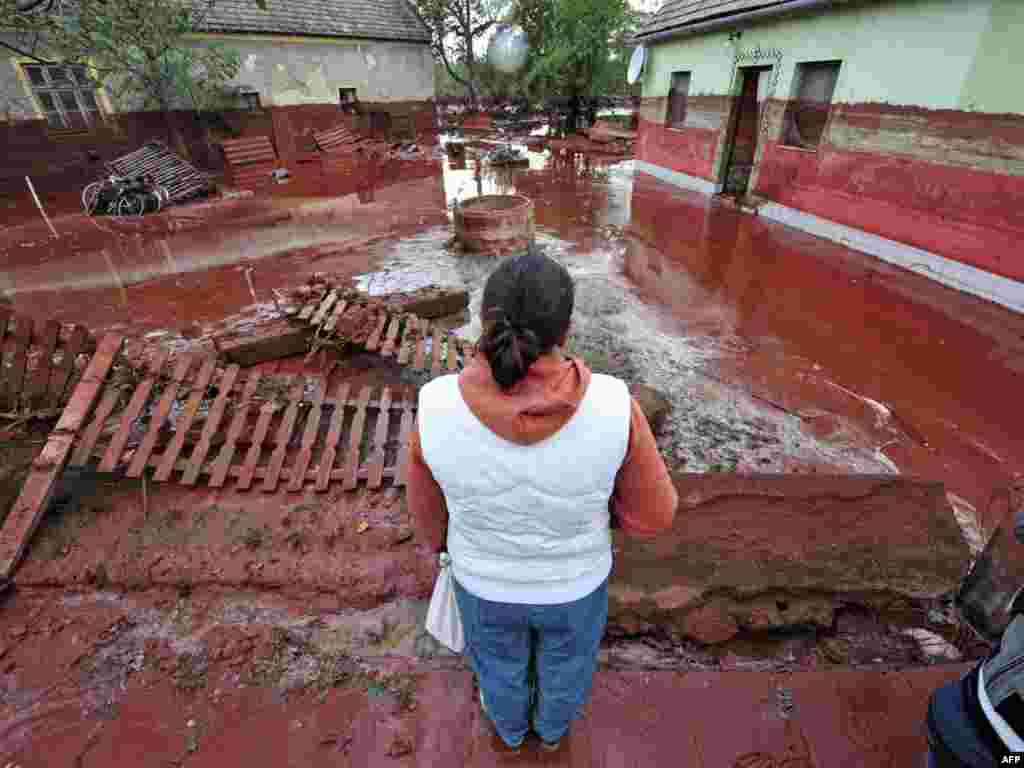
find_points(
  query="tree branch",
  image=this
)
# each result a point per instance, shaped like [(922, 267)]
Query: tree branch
[(26, 54)]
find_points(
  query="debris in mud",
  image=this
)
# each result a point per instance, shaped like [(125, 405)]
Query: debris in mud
[(264, 341), (507, 156), (656, 406), (429, 302)]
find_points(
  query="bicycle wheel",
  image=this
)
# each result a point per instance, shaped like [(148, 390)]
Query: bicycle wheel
[(131, 205), (90, 196)]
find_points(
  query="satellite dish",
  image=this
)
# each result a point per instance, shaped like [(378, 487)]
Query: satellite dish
[(636, 64)]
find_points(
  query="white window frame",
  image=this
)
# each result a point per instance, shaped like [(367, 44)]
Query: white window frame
[(76, 85)]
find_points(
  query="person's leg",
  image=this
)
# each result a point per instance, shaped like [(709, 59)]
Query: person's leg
[(568, 641), (498, 647)]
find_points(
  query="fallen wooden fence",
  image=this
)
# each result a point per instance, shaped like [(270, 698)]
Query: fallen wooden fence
[(38, 368), (422, 345), (191, 422)]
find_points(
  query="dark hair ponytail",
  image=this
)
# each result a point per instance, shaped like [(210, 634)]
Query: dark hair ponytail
[(526, 307)]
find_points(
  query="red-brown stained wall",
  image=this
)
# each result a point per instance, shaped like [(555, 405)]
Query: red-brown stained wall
[(689, 150), (945, 181), (936, 180)]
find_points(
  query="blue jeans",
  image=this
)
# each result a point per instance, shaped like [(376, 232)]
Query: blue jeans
[(511, 645)]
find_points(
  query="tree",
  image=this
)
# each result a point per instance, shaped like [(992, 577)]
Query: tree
[(456, 26), (138, 49), (572, 44)]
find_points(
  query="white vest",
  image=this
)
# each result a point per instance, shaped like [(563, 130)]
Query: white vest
[(527, 524)]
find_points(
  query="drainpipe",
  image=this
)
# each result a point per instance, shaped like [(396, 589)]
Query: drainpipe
[(738, 18)]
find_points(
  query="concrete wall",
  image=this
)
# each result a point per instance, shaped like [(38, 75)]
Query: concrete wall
[(925, 142), (291, 71)]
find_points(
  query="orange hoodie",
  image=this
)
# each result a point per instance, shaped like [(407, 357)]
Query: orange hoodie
[(644, 499)]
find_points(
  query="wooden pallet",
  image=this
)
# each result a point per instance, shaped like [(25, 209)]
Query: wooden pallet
[(341, 141), (293, 437), (38, 368), (250, 161), (412, 341)]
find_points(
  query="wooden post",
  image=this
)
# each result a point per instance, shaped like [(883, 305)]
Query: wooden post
[(39, 205)]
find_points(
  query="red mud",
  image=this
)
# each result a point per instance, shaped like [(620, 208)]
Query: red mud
[(822, 327)]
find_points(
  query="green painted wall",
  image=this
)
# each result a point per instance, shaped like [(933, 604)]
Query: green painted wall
[(909, 52), (993, 83)]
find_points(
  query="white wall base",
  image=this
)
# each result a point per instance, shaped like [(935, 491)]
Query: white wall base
[(995, 288), (675, 177)]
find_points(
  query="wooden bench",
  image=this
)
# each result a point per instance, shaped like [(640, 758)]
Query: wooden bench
[(250, 161)]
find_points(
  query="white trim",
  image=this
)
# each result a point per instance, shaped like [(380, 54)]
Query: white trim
[(1006, 733), (677, 178), (955, 274), (996, 288)]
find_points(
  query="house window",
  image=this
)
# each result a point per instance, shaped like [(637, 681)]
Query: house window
[(808, 110), (66, 95), (251, 101), (678, 93)]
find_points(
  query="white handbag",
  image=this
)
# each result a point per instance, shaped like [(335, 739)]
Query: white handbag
[(443, 620)]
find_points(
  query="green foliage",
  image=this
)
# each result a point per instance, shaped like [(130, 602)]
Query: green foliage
[(576, 46), (139, 49)]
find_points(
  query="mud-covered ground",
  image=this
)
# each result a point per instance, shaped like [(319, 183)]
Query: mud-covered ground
[(196, 612)]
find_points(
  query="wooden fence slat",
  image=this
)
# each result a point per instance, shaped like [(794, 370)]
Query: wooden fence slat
[(87, 442), (332, 321), (286, 473), (256, 448), (195, 399), (325, 307), (61, 374), (323, 474), (238, 421), (373, 343), (16, 373), (407, 340), (212, 424), (37, 489), (41, 380), (380, 440), (402, 465), (435, 352), (309, 436), (284, 435), (156, 419), (354, 440), (453, 357), (389, 341), (307, 311), (419, 362), (131, 413)]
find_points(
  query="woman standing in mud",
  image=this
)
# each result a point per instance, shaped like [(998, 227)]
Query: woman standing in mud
[(515, 465)]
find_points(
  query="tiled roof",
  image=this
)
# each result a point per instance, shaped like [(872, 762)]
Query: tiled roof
[(681, 13), (374, 19)]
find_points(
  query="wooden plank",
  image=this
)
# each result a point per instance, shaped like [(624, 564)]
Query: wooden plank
[(212, 424), (323, 474), (389, 342), (402, 465), (373, 343), (163, 407), (256, 447), (87, 442), (406, 344), (227, 452), (309, 436), (354, 439), (38, 487), (131, 413), (47, 343), (453, 357), (435, 352), (61, 374), (284, 435), (419, 361), (325, 307), (332, 321), (195, 399), (380, 440), (308, 310), (15, 375)]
